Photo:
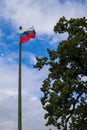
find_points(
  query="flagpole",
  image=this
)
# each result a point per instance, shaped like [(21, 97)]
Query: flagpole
[(24, 39), (19, 89)]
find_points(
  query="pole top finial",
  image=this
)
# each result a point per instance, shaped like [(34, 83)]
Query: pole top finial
[(20, 27)]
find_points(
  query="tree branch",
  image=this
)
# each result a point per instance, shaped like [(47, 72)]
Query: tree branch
[(73, 107)]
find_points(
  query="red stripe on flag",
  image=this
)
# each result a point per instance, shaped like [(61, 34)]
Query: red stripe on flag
[(26, 38)]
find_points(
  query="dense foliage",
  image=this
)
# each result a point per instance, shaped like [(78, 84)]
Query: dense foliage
[(65, 88)]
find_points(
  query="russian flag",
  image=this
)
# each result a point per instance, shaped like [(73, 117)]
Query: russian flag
[(26, 35)]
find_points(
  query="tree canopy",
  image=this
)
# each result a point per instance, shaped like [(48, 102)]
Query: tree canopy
[(65, 88)]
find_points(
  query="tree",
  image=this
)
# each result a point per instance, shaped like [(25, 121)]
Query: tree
[(65, 88)]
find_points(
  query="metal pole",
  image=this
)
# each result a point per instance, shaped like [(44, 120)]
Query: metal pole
[(19, 91)]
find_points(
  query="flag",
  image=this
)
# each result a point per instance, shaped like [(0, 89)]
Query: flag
[(26, 35)]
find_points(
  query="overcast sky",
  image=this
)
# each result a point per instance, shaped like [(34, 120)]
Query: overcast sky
[(43, 14)]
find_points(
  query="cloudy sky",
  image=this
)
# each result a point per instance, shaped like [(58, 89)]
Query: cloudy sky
[(43, 14)]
